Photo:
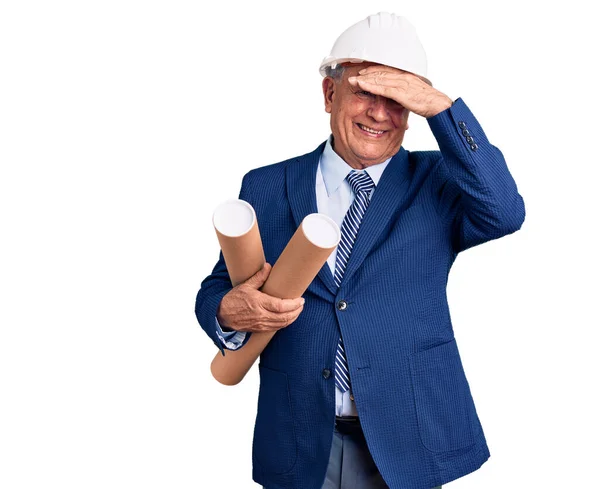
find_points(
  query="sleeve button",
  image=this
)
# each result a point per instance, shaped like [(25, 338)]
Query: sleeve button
[(470, 140), (474, 147), (462, 125)]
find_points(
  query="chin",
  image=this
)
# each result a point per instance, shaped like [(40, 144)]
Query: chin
[(372, 158)]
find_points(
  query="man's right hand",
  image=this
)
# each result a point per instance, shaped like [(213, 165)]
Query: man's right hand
[(245, 308)]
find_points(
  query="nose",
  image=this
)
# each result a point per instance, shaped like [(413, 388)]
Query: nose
[(379, 110)]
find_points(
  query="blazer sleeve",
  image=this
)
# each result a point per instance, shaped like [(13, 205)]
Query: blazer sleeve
[(212, 290), (483, 195)]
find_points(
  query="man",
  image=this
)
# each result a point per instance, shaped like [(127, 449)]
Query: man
[(362, 385)]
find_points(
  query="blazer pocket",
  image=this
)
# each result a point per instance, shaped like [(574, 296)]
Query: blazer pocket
[(445, 409), (274, 447)]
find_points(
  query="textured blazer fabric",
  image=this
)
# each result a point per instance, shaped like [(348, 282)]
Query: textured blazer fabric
[(411, 393)]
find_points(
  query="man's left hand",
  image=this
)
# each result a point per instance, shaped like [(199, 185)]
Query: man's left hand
[(407, 89)]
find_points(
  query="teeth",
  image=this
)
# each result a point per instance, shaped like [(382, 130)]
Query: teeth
[(368, 129)]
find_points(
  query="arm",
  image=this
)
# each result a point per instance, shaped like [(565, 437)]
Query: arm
[(231, 368), (488, 203), (231, 338), (242, 309), (483, 195), (212, 290)]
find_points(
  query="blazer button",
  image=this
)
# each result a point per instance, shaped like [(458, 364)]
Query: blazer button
[(342, 305), (326, 373)]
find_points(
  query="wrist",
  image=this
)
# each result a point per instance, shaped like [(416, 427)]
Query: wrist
[(222, 323), (441, 107)]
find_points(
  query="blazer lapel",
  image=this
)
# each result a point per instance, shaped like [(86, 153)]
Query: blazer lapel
[(301, 177), (390, 194)]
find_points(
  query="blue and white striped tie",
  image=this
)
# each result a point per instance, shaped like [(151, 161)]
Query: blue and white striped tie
[(362, 185)]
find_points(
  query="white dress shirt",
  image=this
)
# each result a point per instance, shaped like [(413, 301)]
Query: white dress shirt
[(334, 198)]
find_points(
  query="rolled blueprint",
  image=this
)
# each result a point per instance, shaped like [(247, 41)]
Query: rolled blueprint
[(237, 230), (297, 266), (305, 254)]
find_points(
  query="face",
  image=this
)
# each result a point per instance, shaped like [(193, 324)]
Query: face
[(367, 129)]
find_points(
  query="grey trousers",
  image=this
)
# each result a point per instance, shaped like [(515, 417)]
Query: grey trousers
[(351, 465)]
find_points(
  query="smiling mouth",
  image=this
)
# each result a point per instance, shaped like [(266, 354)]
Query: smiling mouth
[(369, 130)]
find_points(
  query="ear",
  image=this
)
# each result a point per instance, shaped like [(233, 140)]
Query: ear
[(328, 93)]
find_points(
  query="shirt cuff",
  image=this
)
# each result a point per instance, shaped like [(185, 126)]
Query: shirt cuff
[(231, 340)]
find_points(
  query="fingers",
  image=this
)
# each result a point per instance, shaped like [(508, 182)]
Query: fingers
[(388, 91), (280, 320), (266, 321), (387, 71), (246, 308), (273, 313), (381, 79), (405, 88), (384, 71), (274, 304), (259, 278), (385, 88), (387, 76)]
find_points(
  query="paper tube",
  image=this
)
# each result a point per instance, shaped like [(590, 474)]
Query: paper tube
[(297, 266), (305, 254), (239, 237)]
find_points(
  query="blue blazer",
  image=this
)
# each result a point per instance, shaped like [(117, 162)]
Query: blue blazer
[(411, 393)]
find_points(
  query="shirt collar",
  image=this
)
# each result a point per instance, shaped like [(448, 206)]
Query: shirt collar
[(335, 169)]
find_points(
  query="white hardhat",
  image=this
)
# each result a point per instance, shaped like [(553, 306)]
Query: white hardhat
[(384, 38)]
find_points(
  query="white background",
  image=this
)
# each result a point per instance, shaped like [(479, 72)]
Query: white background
[(124, 123)]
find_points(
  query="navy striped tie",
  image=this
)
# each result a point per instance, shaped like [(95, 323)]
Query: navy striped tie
[(362, 185)]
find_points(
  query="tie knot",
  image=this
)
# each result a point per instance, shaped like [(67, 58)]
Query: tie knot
[(360, 181)]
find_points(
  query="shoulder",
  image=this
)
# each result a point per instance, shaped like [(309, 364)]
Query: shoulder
[(272, 170), (277, 170), (432, 173), (427, 162), (424, 157)]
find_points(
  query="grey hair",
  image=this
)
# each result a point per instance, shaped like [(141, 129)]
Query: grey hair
[(335, 73)]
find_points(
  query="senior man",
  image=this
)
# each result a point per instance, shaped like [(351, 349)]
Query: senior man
[(362, 386)]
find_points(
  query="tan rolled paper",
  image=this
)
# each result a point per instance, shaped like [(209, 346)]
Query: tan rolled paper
[(305, 254), (237, 230), (297, 266)]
